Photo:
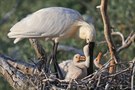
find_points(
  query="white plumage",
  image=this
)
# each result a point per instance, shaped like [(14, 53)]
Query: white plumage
[(64, 66), (52, 23), (74, 69), (77, 68)]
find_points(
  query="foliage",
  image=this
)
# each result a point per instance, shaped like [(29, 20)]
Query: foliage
[(121, 14)]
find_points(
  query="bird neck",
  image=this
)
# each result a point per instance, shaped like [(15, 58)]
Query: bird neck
[(87, 32), (87, 61), (83, 32), (80, 65)]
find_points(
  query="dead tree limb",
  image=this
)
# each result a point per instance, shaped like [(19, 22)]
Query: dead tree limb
[(16, 78), (107, 33), (40, 52), (133, 74)]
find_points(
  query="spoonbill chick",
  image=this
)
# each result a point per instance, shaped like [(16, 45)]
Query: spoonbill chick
[(80, 70), (64, 66), (54, 23), (76, 69), (97, 61)]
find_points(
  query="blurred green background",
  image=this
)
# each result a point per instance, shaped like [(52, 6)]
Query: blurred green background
[(121, 13)]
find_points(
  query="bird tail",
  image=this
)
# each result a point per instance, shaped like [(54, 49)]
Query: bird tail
[(17, 40)]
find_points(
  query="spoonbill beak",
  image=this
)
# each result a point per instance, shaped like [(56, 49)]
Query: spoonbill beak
[(91, 50)]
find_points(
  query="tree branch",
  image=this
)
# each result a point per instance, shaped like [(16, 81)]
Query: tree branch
[(15, 77), (107, 29), (107, 33), (119, 34), (127, 42), (40, 52)]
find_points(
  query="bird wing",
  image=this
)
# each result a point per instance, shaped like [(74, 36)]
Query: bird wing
[(64, 66), (48, 22), (73, 72)]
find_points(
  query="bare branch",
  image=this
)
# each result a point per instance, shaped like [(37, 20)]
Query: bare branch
[(127, 42), (25, 68), (40, 52), (133, 73), (16, 79), (107, 29), (119, 34), (107, 32)]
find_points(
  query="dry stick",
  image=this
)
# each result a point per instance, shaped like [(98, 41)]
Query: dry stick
[(132, 77), (107, 33), (38, 48), (40, 52), (127, 42), (119, 34)]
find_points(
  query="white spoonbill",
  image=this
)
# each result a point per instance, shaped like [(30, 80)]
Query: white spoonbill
[(76, 69), (54, 23), (64, 65)]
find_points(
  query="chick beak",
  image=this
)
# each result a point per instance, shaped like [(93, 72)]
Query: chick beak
[(82, 58), (99, 56)]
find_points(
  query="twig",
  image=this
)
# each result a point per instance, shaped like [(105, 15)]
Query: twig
[(113, 75), (41, 54), (132, 77), (127, 42), (121, 35), (69, 85)]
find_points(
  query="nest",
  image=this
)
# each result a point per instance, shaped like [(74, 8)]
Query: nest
[(101, 79)]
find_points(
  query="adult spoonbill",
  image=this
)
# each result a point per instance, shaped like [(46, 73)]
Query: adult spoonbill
[(54, 23)]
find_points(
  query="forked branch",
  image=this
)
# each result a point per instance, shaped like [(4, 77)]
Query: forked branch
[(107, 33)]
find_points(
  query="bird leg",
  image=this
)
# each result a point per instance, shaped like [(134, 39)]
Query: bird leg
[(91, 50), (56, 66)]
